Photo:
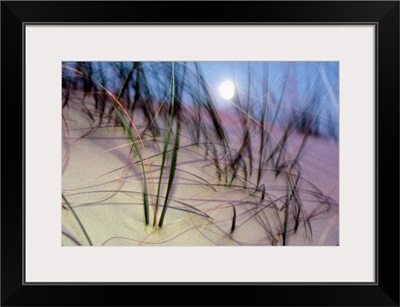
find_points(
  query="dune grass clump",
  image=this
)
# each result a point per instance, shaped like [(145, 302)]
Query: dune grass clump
[(240, 168)]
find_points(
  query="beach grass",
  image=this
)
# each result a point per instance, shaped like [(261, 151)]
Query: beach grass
[(256, 189)]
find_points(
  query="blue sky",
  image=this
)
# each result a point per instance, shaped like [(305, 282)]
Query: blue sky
[(294, 85)]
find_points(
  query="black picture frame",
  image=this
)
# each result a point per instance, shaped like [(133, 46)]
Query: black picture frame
[(384, 292)]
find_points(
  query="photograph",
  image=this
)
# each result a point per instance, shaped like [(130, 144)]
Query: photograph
[(200, 153)]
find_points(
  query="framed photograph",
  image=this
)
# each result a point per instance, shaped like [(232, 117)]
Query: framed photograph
[(236, 153)]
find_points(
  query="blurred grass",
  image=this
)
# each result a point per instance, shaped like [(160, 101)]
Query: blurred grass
[(164, 115)]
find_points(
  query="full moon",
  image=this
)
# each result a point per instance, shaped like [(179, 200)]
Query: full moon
[(227, 90)]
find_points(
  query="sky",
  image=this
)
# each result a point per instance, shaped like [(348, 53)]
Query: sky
[(296, 85), (311, 87)]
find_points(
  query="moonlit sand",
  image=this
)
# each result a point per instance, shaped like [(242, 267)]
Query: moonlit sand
[(102, 182)]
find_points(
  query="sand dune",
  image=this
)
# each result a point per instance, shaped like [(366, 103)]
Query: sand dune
[(102, 181)]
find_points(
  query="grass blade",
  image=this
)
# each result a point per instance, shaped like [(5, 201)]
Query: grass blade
[(233, 218), (174, 152), (77, 219), (166, 142), (171, 174)]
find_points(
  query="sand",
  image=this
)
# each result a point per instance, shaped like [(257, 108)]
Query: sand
[(102, 181)]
